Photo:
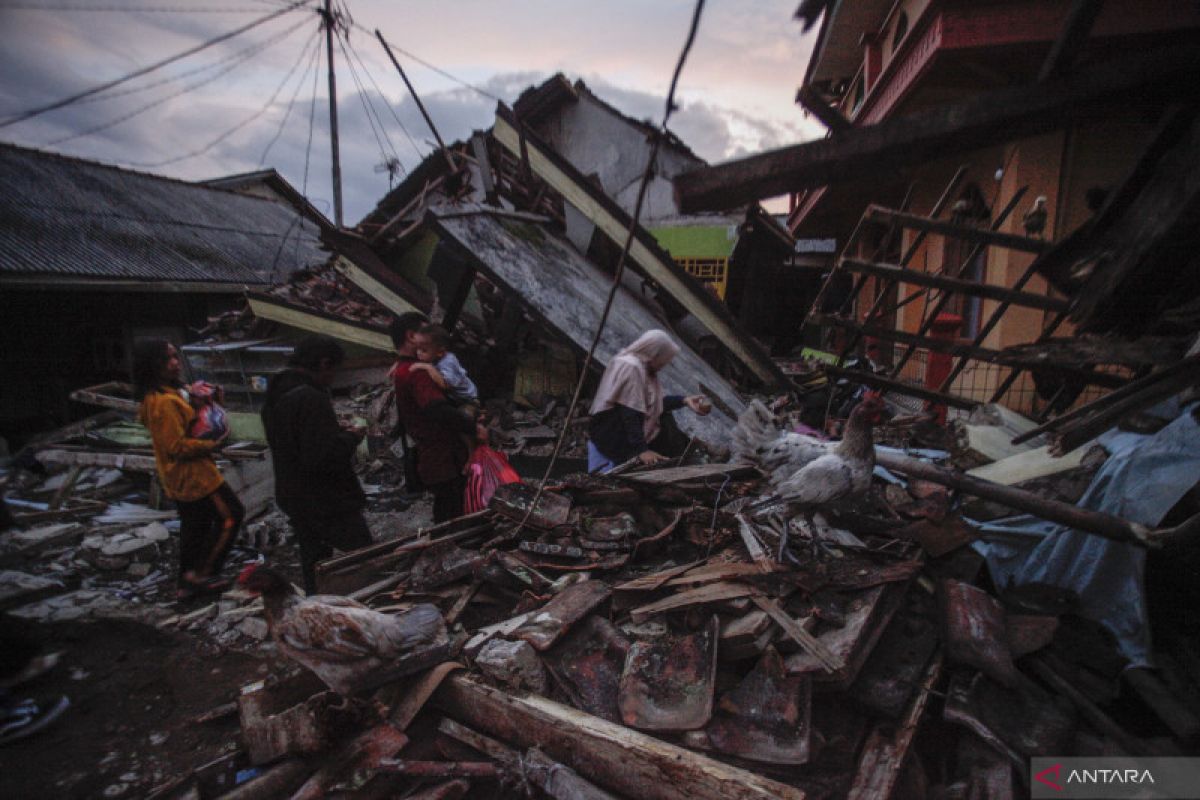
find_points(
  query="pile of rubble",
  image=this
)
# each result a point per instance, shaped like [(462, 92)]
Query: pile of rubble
[(654, 635)]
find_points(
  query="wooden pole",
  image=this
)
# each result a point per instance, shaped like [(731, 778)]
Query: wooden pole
[(1081, 519), (333, 120), (416, 97)]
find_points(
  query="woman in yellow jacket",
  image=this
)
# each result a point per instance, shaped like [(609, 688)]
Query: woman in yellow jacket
[(209, 512)]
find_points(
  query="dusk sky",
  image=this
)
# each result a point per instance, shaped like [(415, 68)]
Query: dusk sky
[(230, 100)]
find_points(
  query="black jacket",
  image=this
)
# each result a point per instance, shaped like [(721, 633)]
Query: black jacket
[(313, 457), (618, 432)]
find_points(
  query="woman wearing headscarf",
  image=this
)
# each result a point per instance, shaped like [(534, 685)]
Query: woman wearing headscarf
[(630, 413)]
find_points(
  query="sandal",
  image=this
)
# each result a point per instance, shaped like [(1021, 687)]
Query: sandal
[(200, 587)]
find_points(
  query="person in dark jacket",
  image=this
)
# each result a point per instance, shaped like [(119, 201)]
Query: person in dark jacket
[(631, 417), (313, 455)]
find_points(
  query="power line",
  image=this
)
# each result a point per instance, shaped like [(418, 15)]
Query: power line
[(266, 106), (369, 109), (261, 47), (33, 112), (174, 78), (433, 67), (395, 116), (288, 113), (131, 9)]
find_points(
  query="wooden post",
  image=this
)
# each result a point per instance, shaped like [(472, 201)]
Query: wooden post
[(417, 98), (333, 119)]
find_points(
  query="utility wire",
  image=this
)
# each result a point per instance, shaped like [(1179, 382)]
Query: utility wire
[(620, 269), (433, 67), (392, 110), (240, 54), (131, 9), (266, 107), (348, 51), (261, 47), (369, 110), (288, 113), (137, 73)]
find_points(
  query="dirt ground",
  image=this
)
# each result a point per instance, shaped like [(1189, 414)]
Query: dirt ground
[(135, 692)]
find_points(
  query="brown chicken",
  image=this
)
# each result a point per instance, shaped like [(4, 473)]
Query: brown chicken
[(342, 641)]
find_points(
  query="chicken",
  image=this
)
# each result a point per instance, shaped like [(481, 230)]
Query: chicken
[(804, 472), (758, 441), (342, 641), (1035, 217)]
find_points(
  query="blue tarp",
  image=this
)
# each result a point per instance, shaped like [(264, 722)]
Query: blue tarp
[(1143, 478)]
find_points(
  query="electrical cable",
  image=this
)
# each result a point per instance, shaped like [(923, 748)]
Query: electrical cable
[(260, 48), (288, 113), (137, 73), (620, 268), (240, 54), (395, 116), (131, 9), (367, 110), (433, 67), (225, 135)]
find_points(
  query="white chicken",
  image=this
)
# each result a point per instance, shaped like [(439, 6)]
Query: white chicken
[(805, 472), (342, 641)]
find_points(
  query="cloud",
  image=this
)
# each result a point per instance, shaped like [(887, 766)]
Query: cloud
[(742, 49)]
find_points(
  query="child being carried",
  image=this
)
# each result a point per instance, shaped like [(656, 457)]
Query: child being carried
[(433, 343)]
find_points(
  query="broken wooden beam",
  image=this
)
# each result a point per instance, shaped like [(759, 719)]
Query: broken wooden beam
[(1081, 519), (438, 769), (985, 236), (622, 760), (945, 283), (886, 749), (1071, 39), (986, 119), (898, 386)]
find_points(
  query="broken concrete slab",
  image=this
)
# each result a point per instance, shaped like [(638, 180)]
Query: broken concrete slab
[(35, 539), (514, 664), (21, 587)]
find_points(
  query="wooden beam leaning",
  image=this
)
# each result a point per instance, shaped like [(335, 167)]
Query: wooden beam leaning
[(985, 120), (948, 284), (647, 256), (986, 236), (265, 307), (618, 758), (1070, 39), (829, 116), (898, 386)]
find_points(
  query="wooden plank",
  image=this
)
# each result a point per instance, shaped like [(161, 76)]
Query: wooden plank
[(951, 347), (814, 104), (270, 308), (986, 119), (648, 583), (892, 385), (725, 590), (647, 255), (813, 646), (137, 463), (959, 285), (669, 475), (1071, 39), (1010, 241), (364, 280), (617, 758), (98, 396), (886, 749)]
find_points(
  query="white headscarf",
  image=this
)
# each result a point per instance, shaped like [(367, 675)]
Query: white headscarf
[(631, 379)]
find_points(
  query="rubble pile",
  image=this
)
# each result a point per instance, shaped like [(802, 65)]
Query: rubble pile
[(655, 634)]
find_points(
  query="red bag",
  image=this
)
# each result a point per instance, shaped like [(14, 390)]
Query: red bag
[(487, 470)]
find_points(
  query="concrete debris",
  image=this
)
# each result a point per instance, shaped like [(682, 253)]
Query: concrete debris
[(514, 664)]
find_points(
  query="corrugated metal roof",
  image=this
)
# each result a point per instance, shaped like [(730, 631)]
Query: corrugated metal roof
[(62, 216)]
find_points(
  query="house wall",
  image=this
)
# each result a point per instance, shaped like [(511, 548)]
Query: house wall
[(598, 142)]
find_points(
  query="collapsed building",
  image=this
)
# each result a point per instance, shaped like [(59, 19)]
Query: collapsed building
[(690, 631)]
